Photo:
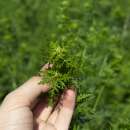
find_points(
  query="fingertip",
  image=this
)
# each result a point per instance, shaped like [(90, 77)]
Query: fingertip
[(45, 87), (47, 66), (69, 99), (70, 93)]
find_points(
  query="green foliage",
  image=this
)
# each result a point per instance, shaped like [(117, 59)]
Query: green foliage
[(63, 73), (96, 31)]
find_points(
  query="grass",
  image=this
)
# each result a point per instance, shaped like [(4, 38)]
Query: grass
[(98, 31)]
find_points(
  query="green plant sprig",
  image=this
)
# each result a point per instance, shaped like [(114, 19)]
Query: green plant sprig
[(66, 59), (63, 74)]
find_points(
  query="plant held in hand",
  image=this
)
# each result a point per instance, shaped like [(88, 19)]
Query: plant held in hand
[(63, 74)]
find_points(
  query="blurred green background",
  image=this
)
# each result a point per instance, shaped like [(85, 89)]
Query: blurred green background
[(26, 29)]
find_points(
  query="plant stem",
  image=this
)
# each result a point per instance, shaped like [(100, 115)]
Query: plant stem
[(98, 99)]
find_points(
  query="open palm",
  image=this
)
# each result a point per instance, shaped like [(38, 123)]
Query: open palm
[(21, 109)]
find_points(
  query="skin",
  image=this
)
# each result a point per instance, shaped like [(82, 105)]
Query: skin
[(23, 110)]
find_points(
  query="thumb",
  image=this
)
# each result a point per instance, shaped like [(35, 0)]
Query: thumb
[(32, 89), (26, 94)]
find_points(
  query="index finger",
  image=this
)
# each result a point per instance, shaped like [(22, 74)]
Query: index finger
[(66, 112)]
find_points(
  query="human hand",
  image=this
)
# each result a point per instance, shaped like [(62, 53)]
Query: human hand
[(21, 109)]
